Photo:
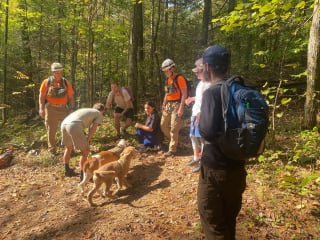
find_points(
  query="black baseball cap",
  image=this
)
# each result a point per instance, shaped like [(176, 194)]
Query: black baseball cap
[(216, 56)]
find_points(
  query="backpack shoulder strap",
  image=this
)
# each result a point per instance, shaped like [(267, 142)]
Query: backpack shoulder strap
[(227, 89), (235, 79), (49, 83), (175, 81)]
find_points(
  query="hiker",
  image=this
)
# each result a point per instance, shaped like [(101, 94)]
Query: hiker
[(74, 135), (149, 134), (56, 101), (123, 108), (196, 140), (222, 181), (172, 106)]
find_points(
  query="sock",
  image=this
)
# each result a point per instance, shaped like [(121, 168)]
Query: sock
[(66, 167)]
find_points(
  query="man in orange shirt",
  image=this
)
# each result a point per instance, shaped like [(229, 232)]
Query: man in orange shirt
[(173, 105), (56, 101)]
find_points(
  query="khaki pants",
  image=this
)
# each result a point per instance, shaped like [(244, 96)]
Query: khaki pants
[(54, 115), (170, 126)]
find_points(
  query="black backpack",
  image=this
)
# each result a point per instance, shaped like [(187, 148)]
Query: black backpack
[(246, 120), (176, 86)]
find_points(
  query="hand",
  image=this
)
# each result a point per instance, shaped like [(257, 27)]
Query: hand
[(180, 112), (188, 101), (41, 113)]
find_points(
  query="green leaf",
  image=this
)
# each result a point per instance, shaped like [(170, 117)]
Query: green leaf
[(279, 115), (285, 101), (301, 5)]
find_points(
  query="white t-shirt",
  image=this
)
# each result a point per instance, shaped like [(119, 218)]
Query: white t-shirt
[(85, 116), (201, 87), (120, 100)]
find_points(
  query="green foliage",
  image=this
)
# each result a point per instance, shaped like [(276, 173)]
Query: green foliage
[(307, 148)]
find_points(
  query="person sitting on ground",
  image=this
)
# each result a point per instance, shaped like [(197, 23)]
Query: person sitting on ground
[(196, 140), (123, 108), (74, 136), (149, 134)]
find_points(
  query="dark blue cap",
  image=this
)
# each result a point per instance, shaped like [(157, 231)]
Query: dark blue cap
[(216, 56)]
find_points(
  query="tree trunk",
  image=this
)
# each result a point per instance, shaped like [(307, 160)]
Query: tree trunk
[(313, 74), (5, 62), (74, 47), (133, 48), (207, 15)]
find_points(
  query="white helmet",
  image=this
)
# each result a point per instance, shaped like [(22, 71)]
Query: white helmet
[(56, 67), (167, 64)]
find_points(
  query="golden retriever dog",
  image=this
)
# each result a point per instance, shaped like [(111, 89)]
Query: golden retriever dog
[(113, 171), (100, 159)]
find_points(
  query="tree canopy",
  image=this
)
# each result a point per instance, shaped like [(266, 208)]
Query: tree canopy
[(93, 40)]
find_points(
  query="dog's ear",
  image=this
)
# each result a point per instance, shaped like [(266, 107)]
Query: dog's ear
[(127, 151)]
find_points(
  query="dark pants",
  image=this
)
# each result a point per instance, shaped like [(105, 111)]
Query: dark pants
[(219, 200)]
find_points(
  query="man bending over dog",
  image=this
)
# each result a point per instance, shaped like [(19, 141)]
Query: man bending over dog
[(74, 136)]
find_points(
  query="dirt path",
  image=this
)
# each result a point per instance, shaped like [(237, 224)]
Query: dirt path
[(39, 203)]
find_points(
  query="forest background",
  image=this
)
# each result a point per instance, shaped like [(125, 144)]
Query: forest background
[(99, 42)]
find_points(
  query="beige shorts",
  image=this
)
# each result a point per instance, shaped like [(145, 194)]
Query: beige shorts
[(74, 134)]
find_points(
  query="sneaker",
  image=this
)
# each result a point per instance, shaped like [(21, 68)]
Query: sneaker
[(156, 148), (192, 162), (168, 154), (70, 173), (142, 149), (196, 168)]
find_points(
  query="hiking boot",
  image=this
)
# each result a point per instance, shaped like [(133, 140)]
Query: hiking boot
[(192, 162), (123, 132), (81, 175), (119, 136), (70, 173), (53, 152), (168, 154)]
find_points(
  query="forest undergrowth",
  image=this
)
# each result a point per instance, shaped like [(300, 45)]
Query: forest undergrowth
[(37, 202)]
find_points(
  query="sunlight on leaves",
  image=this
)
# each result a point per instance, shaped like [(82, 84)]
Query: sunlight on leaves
[(279, 115)]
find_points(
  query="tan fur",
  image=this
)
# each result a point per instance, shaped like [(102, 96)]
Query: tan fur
[(113, 171), (100, 159)]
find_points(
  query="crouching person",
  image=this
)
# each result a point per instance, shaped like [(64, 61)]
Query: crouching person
[(149, 134), (74, 136)]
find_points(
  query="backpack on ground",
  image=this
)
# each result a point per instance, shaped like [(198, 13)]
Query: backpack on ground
[(246, 120), (175, 84)]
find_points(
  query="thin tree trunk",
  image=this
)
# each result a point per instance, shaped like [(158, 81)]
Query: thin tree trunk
[(313, 75), (5, 62), (133, 48), (206, 18)]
